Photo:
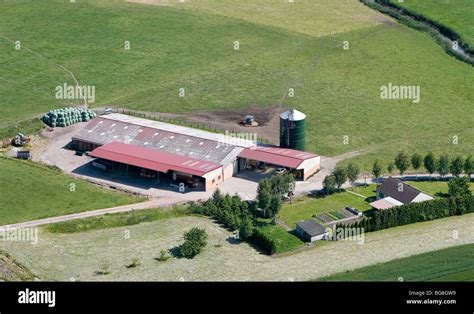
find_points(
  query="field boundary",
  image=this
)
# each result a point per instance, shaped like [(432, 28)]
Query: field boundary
[(442, 34), (86, 214)]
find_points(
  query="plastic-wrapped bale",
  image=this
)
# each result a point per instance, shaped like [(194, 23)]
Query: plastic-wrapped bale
[(68, 116)]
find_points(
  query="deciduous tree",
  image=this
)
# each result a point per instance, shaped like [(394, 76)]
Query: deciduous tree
[(340, 176), (416, 161), (457, 165), (352, 173), (429, 162), (376, 170), (390, 168), (329, 184), (402, 162), (275, 206), (443, 165), (469, 166)]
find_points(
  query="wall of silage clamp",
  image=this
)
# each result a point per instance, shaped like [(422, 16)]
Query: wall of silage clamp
[(67, 116)]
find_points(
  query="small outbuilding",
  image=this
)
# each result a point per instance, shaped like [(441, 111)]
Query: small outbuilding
[(311, 231)]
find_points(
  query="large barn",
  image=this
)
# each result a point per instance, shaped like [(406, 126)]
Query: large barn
[(179, 154)]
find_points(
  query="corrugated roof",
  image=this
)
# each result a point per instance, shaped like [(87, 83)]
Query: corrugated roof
[(104, 130), (153, 159), (216, 137), (279, 156)]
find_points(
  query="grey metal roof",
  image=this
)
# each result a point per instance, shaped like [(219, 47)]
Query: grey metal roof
[(106, 129), (311, 227), (398, 190)]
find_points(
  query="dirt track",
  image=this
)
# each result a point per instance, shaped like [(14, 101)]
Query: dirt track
[(268, 118)]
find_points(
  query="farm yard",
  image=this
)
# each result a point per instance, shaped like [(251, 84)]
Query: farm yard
[(329, 82)]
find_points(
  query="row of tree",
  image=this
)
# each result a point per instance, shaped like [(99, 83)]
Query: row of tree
[(443, 165)]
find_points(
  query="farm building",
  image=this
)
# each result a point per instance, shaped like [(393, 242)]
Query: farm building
[(394, 192), (179, 154), (311, 231)]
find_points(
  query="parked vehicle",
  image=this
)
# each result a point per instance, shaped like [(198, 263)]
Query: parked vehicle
[(100, 166), (280, 170), (148, 174), (354, 211)]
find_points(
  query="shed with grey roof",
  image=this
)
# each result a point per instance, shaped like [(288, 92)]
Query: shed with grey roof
[(311, 231)]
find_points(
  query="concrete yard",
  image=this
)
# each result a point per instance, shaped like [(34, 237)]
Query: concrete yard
[(52, 150)]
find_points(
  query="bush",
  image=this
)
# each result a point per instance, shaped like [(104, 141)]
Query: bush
[(135, 263), (163, 256), (419, 212), (194, 241), (459, 187), (104, 270), (231, 211), (246, 229), (263, 241)]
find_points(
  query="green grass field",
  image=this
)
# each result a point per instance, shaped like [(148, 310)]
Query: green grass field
[(118, 219), (193, 49), (315, 18), (452, 264), (305, 207), (457, 14), (30, 191), (284, 240), (29, 127), (435, 187)]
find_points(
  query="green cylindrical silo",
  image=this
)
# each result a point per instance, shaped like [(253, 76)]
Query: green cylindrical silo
[(293, 129)]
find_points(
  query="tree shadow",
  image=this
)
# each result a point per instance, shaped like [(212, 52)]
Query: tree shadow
[(234, 240), (175, 252), (370, 199), (316, 194)]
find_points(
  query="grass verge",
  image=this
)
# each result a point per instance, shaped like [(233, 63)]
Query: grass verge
[(118, 220)]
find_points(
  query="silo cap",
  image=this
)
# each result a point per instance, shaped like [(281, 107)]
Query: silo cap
[(293, 115)]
